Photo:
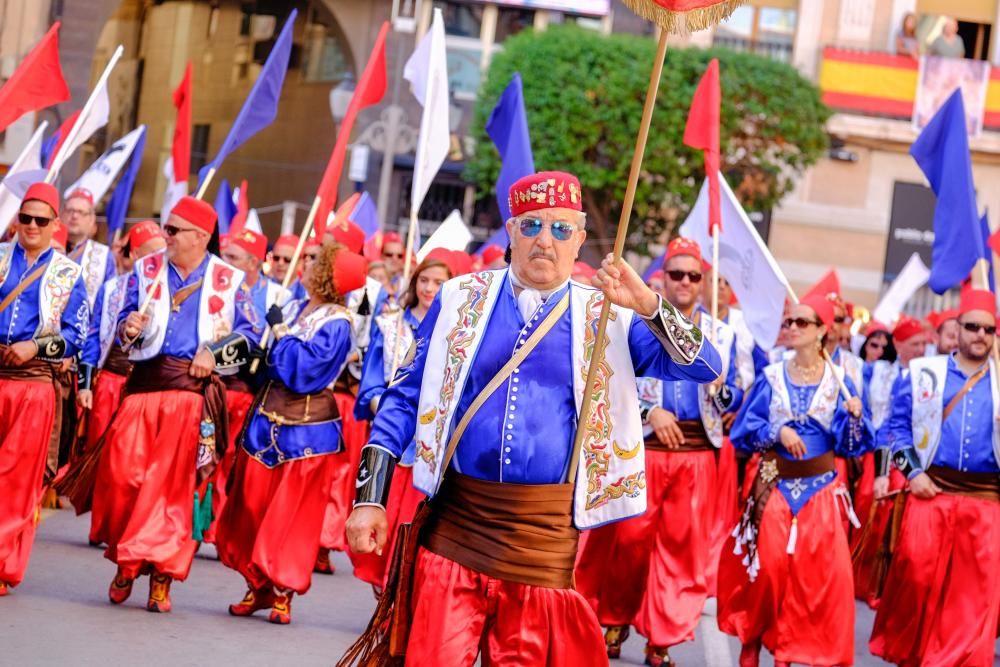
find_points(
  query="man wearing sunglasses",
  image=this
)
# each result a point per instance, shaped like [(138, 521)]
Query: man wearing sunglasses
[(43, 320), (663, 588), (97, 260), (942, 594), (281, 262), (393, 252), (514, 495), (171, 428)]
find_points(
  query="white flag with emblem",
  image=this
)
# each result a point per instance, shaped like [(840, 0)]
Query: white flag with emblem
[(99, 177)]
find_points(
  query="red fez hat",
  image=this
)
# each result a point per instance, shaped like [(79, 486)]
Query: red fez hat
[(874, 326), (82, 193), (287, 239), (821, 306), (655, 275), (350, 271), (492, 253), (546, 189), (349, 235), (251, 241), (683, 246), (198, 213), (584, 269), (461, 263), (906, 328), (944, 316), (45, 193), (391, 237), (142, 232), (60, 236), (978, 299)]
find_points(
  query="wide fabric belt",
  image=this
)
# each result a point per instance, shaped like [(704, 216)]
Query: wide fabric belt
[(283, 406), (34, 370), (793, 468), (236, 383), (117, 362), (695, 439), (515, 532), (982, 485)]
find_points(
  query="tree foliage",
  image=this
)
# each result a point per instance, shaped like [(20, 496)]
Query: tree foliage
[(584, 94)]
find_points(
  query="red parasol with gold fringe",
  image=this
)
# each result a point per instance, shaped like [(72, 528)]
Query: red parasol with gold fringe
[(678, 16)]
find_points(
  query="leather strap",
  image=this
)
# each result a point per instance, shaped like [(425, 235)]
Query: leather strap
[(501, 377), (23, 285), (966, 388)]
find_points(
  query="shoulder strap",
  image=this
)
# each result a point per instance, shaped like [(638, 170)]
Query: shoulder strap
[(501, 377), (23, 285), (966, 388)]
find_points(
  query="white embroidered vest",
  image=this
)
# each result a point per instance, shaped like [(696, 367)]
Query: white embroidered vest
[(115, 291), (884, 376), (397, 337), (744, 348), (94, 262), (55, 288), (611, 479), (927, 380), (824, 402), (216, 307)]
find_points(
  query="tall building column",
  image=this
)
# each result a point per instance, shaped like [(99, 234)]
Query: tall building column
[(806, 48)]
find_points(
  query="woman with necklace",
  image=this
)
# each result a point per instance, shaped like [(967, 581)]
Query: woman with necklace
[(388, 338), (785, 577), (270, 528)]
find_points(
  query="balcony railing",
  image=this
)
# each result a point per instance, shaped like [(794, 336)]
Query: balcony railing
[(781, 51), (884, 85)]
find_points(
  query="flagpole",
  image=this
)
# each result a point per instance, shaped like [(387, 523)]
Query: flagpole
[(75, 130), (982, 265), (405, 283), (204, 184)]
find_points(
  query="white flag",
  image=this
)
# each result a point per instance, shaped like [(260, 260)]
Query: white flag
[(253, 222), (28, 162), (912, 277), (99, 177), (427, 72), (174, 191), (451, 235), (744, 261)]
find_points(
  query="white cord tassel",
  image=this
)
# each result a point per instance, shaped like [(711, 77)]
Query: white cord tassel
[(793, 536)]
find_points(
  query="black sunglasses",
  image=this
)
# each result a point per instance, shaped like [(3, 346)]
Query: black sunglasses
[(799, 322), (975, 327), (677, 276), (561, 230), (840, 319), (173, 230), (27, 219), (391, 255), (279, 258)]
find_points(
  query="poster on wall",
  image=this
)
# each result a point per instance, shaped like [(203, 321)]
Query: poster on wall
[(938, 78)]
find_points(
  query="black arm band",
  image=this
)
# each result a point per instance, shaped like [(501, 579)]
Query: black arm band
[(883, 461), (374, 476), (644, 411), (50, 348), (85, 377), (680, 338), (907, 461), (723, 398), (230, 352)]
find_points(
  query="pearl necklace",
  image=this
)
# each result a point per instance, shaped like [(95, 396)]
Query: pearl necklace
[(808, 373)]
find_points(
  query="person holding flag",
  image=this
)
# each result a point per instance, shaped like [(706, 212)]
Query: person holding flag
[(44, 312), (182, 328)]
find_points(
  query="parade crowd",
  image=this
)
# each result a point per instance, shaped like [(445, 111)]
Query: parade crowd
[(139, 382)]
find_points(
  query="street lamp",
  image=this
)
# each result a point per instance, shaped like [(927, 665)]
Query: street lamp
[(340, 97)]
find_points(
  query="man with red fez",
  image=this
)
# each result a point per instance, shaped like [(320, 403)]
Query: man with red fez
[(97, 260), (947, 331), (493, 257), (281, 256), (494, 436), (840, 330), (103, 366), (270, 529), (393, 253), (182, 327), (941, 600), (44, 314), (662, 567)]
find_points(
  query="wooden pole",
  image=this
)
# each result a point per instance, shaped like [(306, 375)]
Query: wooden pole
[(410, 234), (623, 220), (204, 184)]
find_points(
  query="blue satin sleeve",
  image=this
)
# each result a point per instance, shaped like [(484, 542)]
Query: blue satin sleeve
[(75, 321), (752, 430), (852, 436), (372, 375), (309, 366), (651, 359), (91, 353), (899, 425)]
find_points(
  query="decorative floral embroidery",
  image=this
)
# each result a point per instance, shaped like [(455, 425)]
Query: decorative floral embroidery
[(58, 287)]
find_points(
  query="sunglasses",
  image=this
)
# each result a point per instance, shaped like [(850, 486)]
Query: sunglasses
[(310, 257), (27, 219), (279, 258), (678, 276), (975, 327), (560, 230), (392, 255), (798, 322), (840, 319), (173, 230)]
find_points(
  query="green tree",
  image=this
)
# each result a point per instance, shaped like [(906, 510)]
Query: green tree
[(584, 94)]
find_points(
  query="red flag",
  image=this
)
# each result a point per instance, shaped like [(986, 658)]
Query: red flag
[(63, 133), (181, 149), (829, 283), (994, 242), (702, 132), (37, 82), (242, 211), (370, 90)]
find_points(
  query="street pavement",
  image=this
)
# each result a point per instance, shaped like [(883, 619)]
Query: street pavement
[(60, 615)]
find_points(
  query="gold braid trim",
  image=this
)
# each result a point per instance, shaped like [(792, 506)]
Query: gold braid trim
[(680, 23)]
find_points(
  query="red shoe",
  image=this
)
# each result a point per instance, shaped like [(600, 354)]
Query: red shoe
[(281, 610), (159, 593), (750, 655), (4, 589), (252, 602), (614, 637), (657, 657), (323, 564), (121, 588)]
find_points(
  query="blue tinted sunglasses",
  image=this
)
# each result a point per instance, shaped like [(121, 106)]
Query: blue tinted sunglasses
[(560, 230)]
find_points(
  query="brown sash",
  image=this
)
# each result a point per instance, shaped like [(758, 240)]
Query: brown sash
[(966, 388), (514, 532), (982, 485), (23, 285), (695, 439), (34, 370), (283, 406), (117, 362), (236, 383)]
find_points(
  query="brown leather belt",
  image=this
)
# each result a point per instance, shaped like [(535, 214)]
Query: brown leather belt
[(117, 362), (34, 370), (695, 439), (514, 532), (982, 485), (281, 405), (793, 468)]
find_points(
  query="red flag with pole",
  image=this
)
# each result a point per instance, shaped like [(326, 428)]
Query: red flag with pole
[(370, 90), (702, 132), (181, 149), (242, 211), (37, 82), (828, 284)]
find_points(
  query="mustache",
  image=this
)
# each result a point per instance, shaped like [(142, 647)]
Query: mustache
[(542, 254)]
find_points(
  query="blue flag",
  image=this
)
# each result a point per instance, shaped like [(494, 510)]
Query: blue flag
[(365, 215), (261, 106), (121, 197), (942, 153), (508, 128), (50, 145), (224, 206), (984, 226), (655, 266)]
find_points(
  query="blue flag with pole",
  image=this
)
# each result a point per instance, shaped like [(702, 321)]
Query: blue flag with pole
[(121, 197), (508, 128), (224, 206), (942, 153)]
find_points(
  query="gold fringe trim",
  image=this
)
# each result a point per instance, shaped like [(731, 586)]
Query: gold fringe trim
[(682, 23)]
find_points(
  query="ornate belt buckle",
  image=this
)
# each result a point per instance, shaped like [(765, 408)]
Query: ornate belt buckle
[(768, 471)]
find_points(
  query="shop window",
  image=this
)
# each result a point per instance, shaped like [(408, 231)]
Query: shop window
[(767, 31)]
